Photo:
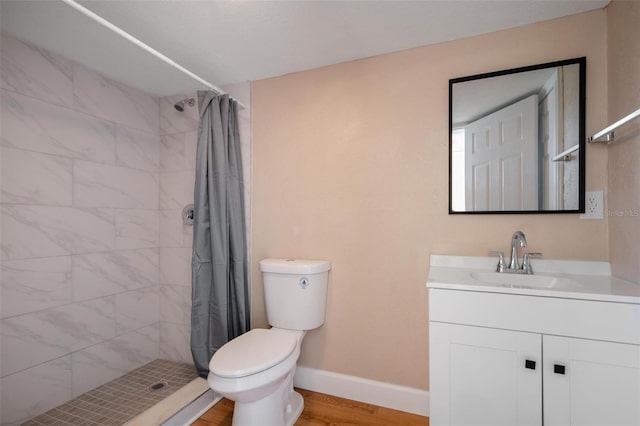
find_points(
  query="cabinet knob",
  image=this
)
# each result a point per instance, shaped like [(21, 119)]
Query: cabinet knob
[(558, 369), (531, 365)]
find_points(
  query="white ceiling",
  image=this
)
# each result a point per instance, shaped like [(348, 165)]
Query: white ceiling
[(227, 42)]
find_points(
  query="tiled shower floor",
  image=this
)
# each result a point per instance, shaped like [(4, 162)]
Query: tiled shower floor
[(120, 400)]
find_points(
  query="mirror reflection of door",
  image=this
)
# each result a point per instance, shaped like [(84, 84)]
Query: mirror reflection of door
[(485, 167), (501, 151), (550, 115)]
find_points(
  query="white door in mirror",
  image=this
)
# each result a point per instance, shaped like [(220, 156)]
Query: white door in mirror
[(501, 151)]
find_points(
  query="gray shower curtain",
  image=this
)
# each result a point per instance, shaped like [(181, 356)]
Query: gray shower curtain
[(220, 288)]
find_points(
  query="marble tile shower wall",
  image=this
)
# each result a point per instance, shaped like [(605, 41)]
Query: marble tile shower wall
[(80, 242), (96, 276), (178, 141)]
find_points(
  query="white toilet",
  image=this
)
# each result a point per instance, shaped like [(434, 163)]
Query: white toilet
[(256, 369)]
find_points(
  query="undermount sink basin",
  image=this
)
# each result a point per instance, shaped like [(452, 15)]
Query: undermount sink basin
[(523, 281)]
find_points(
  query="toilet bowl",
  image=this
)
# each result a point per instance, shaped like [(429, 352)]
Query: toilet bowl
[(256, 369)]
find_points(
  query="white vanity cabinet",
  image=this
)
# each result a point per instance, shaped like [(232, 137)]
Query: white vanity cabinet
[(478, 376), (600, 384), (499, 357)]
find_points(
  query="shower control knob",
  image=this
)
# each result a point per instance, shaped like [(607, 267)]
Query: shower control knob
[(188, 214)]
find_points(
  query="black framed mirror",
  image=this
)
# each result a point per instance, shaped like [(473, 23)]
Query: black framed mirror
[(517, 140)]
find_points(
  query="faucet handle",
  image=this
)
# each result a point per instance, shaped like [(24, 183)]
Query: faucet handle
[(502, 265), (526, 261)]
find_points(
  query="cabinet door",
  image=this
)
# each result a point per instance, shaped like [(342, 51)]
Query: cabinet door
[(480, 376), (599, 384)]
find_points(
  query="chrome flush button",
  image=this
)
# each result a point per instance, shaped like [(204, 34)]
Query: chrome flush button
[(304, 282)]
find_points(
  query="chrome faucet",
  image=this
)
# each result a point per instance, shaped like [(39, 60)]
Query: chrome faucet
[(514, 266), (517, 238)]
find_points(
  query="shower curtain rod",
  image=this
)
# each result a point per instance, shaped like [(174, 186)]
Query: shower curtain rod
[(99, 19)]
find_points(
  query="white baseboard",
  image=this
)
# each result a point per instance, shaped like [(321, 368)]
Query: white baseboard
[(387, 395)]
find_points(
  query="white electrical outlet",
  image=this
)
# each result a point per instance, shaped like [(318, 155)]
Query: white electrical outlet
[(593, 205)]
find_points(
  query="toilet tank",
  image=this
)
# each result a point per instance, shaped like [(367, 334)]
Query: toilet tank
[(295, 292)]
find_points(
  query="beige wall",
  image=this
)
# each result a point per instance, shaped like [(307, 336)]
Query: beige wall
[(623, 19), (351, 165)]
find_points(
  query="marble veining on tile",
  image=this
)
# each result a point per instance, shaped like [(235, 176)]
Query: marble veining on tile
[(172, 228), (175, 265), (137, 149), (34, 125), (175, 304), (99, 185), (108, 360), (137, 228), (34, 178), (100, 274), (190, 149), (41, 231), (31, 339), (176, 189), (172, 152), (30, 285), (35, 72), (30, 392), (137, 308), (114, 101), (175, 342)]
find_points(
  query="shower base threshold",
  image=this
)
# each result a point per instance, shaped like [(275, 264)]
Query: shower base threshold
[(181, 408), (159, 389)]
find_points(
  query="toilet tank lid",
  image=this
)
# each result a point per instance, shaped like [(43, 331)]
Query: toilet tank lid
[(294, 266)]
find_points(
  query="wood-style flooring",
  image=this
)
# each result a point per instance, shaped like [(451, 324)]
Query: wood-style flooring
[(322, 409)]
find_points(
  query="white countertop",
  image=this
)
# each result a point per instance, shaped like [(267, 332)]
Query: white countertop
[(588, 280)]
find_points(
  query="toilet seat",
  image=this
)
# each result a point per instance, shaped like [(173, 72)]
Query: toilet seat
[(253, 352)]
